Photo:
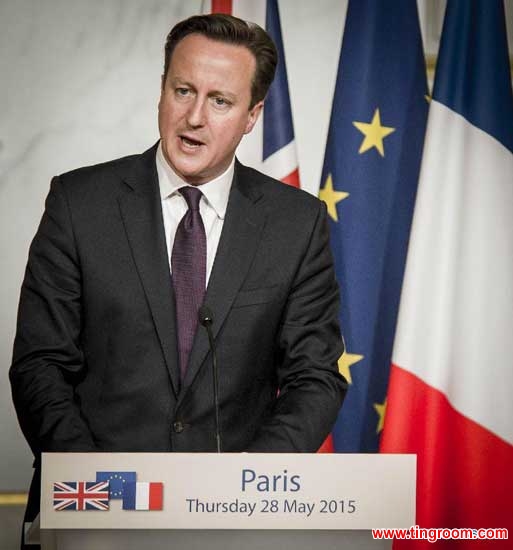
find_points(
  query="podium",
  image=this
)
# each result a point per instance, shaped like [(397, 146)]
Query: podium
[(223, 501)]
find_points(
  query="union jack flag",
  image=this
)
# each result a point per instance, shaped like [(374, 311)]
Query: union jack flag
[(81, 495)]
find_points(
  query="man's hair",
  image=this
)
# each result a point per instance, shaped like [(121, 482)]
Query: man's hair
[(230, 30)]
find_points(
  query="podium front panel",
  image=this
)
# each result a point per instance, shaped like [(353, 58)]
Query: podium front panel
[(227, 491)]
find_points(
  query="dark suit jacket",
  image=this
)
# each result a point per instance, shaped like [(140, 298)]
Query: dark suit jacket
[(95, 357)]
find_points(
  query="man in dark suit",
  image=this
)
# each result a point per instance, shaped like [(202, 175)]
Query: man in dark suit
[(108, 355)]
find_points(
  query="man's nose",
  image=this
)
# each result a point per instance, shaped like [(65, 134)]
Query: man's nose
[(196, 113)]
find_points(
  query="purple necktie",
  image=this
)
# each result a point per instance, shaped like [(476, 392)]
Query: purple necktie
[(189, 266)]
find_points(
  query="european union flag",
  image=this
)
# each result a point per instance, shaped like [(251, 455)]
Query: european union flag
[(117, 480), (369, 182)]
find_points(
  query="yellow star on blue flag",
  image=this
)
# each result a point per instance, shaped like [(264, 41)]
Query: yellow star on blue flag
[(381, 409), (374, 133), (346, 361), (331, 197)]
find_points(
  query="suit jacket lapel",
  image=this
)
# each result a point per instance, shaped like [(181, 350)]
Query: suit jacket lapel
[(141, 211), (245, 218)]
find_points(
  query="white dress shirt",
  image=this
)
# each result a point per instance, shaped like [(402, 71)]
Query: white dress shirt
[(212, 205)]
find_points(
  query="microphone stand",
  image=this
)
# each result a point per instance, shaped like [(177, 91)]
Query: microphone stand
[(206, 319)]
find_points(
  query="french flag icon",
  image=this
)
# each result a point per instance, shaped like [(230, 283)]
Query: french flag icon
[(143, 495)]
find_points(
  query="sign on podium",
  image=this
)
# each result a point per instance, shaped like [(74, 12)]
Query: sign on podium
[(193, 500)]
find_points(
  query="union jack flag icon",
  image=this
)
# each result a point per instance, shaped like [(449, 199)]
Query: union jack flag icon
[(81, 495)]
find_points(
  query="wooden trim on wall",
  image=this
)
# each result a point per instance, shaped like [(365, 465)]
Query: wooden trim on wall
[(13, 499)]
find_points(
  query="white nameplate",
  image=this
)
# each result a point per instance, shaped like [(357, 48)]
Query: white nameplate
[(230, 491)]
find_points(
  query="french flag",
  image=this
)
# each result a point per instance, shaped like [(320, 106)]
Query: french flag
[(143, 496), (271, 146), (449, 397)]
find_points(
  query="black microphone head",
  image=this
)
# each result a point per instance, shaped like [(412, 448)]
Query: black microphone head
[(205, 316)]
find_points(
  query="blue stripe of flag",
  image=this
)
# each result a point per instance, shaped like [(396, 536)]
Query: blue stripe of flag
[(129, 493), (474, 60), (278, 128)]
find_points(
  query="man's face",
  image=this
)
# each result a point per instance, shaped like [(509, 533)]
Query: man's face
[(204, 106)]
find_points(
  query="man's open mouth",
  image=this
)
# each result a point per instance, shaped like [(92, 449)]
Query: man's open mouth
[(190, 142)]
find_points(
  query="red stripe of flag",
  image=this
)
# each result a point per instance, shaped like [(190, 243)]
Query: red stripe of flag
[(155, 496), (292, 178), (80, 495), (464, 470), (222, 6), (327, 446)]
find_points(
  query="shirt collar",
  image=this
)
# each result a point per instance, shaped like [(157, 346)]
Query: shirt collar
[(216, 191)]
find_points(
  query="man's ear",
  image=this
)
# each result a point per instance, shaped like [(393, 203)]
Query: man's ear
[(162, 82), (253, 115)]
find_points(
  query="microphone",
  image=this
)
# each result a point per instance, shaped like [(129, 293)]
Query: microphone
[(206, 318)]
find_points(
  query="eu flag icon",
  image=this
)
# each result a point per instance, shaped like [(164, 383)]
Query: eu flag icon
[(117, 480)]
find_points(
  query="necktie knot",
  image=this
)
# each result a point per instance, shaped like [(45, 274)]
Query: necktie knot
[(192, 196)]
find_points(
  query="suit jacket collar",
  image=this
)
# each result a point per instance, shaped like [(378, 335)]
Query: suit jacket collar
[(141, 211), (140, 172)]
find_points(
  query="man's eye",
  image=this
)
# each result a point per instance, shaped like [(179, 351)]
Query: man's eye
[(221, 102), (182, 91)]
